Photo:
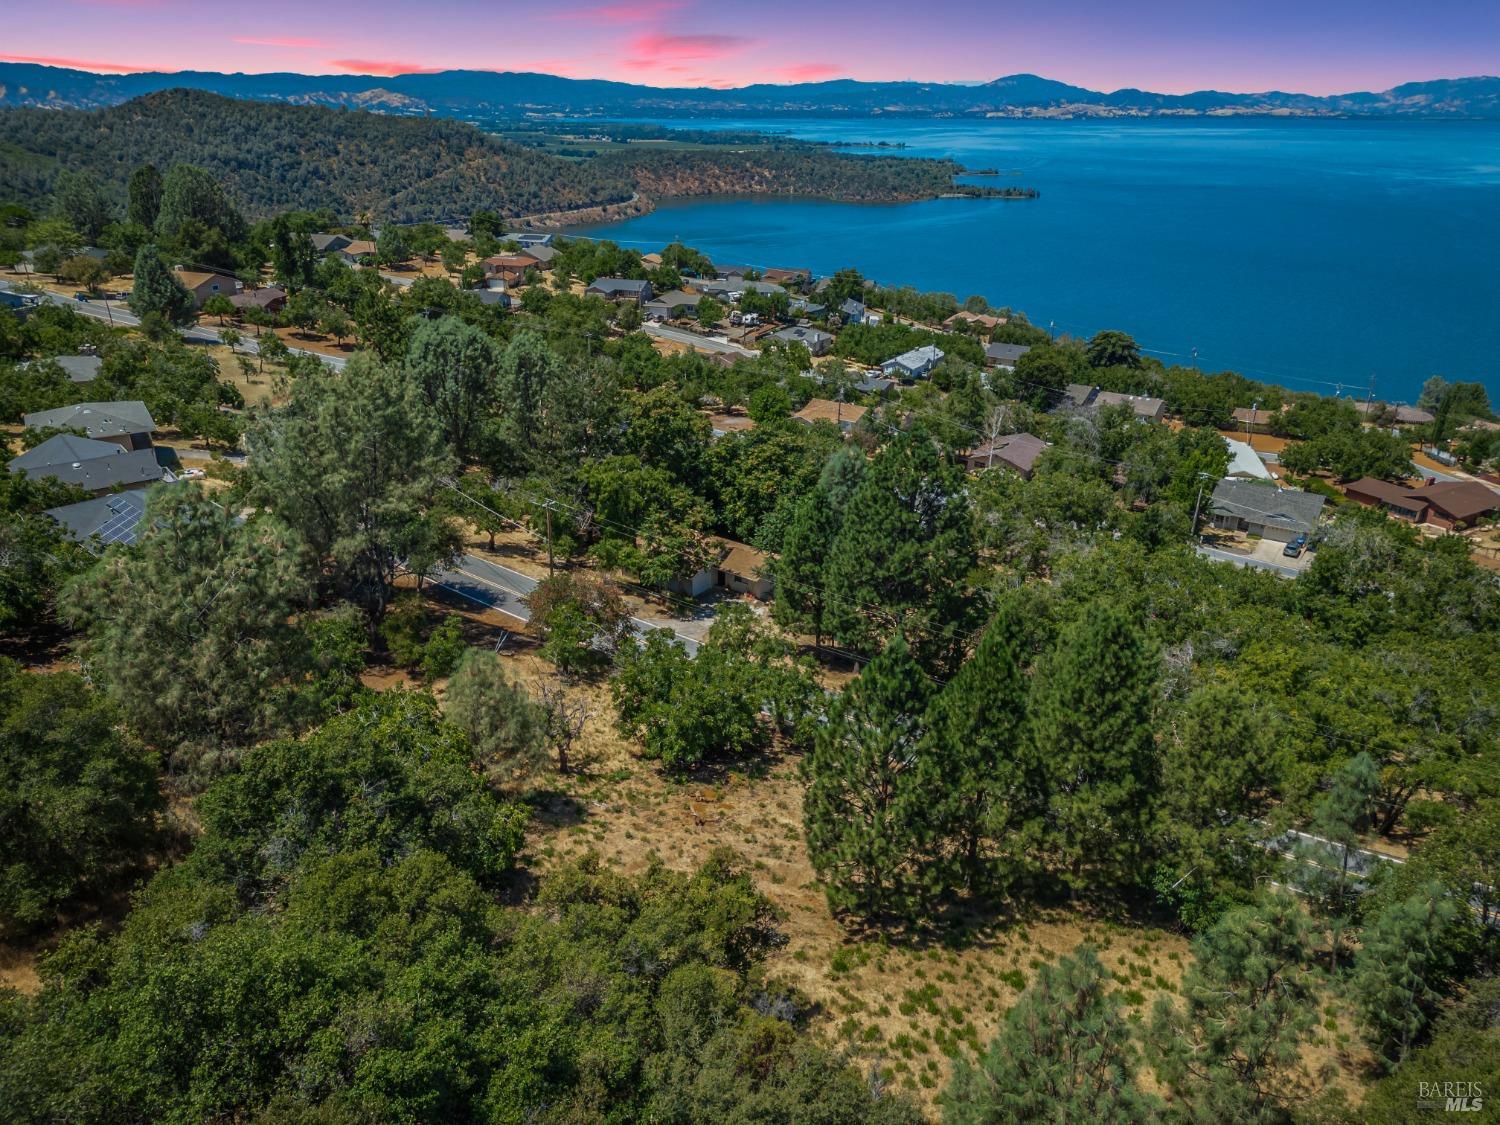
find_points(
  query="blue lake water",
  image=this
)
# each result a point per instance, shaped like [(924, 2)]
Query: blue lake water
[(1313, 254)]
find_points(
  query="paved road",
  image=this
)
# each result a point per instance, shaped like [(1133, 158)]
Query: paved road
[(118, 313), (500, 588), (1245, 560), (693, 340)]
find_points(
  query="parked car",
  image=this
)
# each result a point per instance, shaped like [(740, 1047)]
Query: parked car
[(80, 296), (1294, 549)]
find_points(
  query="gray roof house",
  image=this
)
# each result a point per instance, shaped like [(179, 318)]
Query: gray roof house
[(679, 302), (854, 312), (126, 423), (329, 243), (816, 340), (1017, 452), (1077, 395), (78, 368), (1281, 514), (528, 239), (1004, 355), (620, 289), (114, 517), (913, 364), (1145, 408), (98, 466)]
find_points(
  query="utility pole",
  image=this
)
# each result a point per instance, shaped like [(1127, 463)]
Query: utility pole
[(548, 507), (1249, 422), (1198, 503)]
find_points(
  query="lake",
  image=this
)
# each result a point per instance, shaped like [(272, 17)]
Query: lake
[(1314, 254)]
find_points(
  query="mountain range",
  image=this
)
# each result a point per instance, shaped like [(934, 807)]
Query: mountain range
[(475, 93)]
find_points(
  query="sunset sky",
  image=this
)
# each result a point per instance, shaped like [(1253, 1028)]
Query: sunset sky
[(1312, 46)]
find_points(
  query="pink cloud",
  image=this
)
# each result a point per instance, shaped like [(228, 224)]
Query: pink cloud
[(656, 49), (386, 68), (625, 11), (74, 64), (809, 71), (298, 43)]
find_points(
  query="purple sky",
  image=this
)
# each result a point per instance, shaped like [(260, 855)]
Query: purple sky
[(1173, 46)]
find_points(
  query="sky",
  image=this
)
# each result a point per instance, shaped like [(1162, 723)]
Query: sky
[(1170, 46)]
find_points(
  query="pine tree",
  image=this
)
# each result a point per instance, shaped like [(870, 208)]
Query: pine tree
[(157, 292), (865, 812), (1404, 960), (506, 727), (1091, 731), (903, 555), (986, 809), (456, 365), (144, 199), (1064, 1054), (801, 597), (79, 198), (1340, 815), (1232, 1051), (191, 195)]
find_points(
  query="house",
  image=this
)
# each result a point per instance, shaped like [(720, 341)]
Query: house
[(114, 517), (1004, 355), (1077, 396), (620, 289), (357, 251), (733, 288), (270, 298), (815, 340), (1146, 409), (875, 385), (1456, 504), (204, 284), (853, 312), (1400, 500), (1249, 416), (1451, 504), (730, 424), (1411, 416), (980, 320), (329, 243), (1245, 463), (1477, 424), (77, 368), (498, 297), (801, 306), (99, 466), (545, 255), (509, 268), (842, 414), (1017, 452), (787, 276), (670, 306), (528, 239), (744, 570), (1281, 514), (913, 364), (128, 424)]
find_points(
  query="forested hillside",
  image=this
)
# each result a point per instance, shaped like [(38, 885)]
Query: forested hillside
[(271, 157), (378, 168)]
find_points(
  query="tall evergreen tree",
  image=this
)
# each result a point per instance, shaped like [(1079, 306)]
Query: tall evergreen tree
[(1063, 1054), (1404, 961), (1216, 769), (801, 596), (144, 196), (865, 812), (190, 632), (1232, 1050), (80, 199), (1091, 728), (292, 255), (191, 195), (986, 808), (1337, 821), (353, 464), (903, 555), (156, 292)]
